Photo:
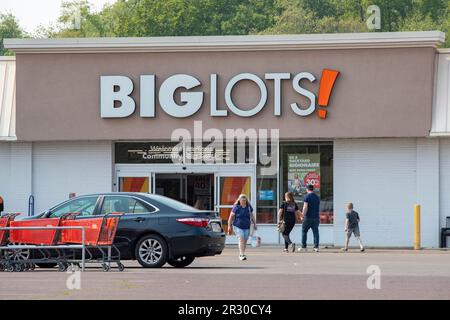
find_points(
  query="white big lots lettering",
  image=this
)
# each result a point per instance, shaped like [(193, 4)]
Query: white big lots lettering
[(119, 89), (108, 96), (262, 91), (193, 100), (312, 98)]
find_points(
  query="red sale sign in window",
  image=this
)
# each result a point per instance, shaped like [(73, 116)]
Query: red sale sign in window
[(312, 178)]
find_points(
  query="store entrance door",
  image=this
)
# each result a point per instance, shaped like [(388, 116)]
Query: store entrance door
[(229, 187), (193, 189)]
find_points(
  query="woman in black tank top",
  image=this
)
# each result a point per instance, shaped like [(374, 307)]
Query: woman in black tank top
[(288, 212)]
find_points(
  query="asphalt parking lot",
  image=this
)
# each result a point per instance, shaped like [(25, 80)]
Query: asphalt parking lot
[(267, 274)]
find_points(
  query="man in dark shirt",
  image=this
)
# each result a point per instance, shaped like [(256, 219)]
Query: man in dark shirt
[(2, 206), (311, 218)]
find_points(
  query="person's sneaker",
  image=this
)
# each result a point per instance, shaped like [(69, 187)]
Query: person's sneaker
[(302, 250), (316, 249), (242, 257), (293, 247), (344, 249), (285, 250), (363, 249)]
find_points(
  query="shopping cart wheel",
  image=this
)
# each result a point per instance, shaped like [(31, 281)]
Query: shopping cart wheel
[(18, 267), (106, 267), (120, 266), (33, 266), (62, 267)]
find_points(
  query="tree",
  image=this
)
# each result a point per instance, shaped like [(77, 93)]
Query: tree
[(392, 12), (143, 18), (77, 20), (324, 16), (429, 16), (127, 18), (9, 28), (250, 16), (293, 19)]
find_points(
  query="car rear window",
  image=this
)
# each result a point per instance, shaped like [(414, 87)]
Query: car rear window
[(177, 205)]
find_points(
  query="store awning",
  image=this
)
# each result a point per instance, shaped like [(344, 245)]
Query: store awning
[(441, 104), (8, 98)]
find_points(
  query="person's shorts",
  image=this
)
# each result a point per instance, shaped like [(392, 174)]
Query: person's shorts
[(354, 230), (242, 233)]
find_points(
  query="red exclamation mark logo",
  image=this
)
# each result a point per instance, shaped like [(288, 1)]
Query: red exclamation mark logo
[(325, 88)]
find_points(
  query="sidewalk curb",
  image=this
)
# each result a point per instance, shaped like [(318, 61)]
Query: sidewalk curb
[(335, 248)]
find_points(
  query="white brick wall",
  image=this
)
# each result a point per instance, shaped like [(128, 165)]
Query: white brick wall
[(64, 167), (384, 178), (378, 176), (427, 190), (444, 182), (15, 175)]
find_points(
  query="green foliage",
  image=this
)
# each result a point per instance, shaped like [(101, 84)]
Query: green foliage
[(140, 18), (328, 16), (9, 28), (302, 16)]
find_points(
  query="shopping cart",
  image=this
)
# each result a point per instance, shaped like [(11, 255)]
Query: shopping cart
[(31, 236), (99, 236), (58, 240), (5, 221), (33, 241)]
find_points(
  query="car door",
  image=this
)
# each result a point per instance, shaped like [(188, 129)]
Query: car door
[(135, 221)]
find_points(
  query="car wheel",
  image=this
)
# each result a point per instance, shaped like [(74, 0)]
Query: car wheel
[(151, 251), (46, 265), (181, 262)]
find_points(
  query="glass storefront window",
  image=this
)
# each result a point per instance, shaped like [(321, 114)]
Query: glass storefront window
[(292, 166), (266, 201), (134, 184), (267, 182), (304, 163)]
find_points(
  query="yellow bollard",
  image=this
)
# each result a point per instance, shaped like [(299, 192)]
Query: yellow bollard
[(417, 227)]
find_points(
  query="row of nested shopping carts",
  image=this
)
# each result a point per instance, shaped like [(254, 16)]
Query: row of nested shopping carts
[(66, 241)]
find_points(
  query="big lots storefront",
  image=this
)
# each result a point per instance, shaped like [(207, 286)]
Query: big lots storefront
[(203, 119)]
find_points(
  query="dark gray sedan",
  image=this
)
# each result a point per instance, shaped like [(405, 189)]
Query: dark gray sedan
[(154, 229)]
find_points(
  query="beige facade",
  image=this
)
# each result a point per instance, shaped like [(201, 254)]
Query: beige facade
[(383, 90), (376, 133)]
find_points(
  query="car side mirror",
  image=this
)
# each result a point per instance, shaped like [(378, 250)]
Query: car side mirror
[(47, 214)]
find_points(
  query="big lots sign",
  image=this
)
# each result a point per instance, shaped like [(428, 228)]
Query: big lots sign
[(115, 89)]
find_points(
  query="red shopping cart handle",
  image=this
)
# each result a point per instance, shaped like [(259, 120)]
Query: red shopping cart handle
[(10, 215)]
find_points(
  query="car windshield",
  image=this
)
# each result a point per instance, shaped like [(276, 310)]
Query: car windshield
[(84, 206), (177, 205)]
